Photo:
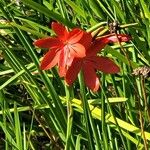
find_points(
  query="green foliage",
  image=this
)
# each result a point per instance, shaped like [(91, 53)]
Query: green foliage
[(37, 109)]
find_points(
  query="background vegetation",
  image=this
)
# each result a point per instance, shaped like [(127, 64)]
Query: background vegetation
[(37, 109)]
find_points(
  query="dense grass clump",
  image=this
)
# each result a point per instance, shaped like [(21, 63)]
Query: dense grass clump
[(41, 108)]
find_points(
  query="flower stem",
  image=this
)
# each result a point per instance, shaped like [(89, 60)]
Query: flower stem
[(104, 132), (69, 138), (146, 110), (142, 130), (145, 97), (85, 109)]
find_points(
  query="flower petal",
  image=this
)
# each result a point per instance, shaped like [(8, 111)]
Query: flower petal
[(96, 46), (90, 78), (100, 43), (77, 50), (86, 40), (69, 61), (104, 64), (62, 65), (75, 35), (50, 59), (60, 30), (73, 71), (116, 37), (48, 43)]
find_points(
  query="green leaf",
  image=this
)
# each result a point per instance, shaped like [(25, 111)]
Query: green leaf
[(76, 8), (34, 24), (118, 10), (117, 99), (96, 9), (119, 56), (111, 100), (8, 136), (78, 142), (47, 12), (40, 35), (145, 9), (17, 128), (96, 113), (14, 77)]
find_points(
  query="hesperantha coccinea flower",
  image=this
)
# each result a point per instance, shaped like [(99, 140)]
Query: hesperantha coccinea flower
[(63, 48), (91, 62), (76, 50)]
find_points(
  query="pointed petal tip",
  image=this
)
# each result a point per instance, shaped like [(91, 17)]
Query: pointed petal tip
[(55, 24), (43, 67), (75, 35), (114, 69), (105, 64), (60, 30), (50, 59), (40, 42), (35, 43), (124, 37), (95, 89), (62, 73), (69, 85), (68, 82)]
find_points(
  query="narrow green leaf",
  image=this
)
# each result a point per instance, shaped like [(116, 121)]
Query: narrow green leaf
[(28, 30), (14, 78), (47, 12), (120, 57), (78, 142), (111, 100), (8, 136), (34, 24), (17, 128), (76, 8), (96, 9), (145, 9), (117, 99), (118, 10), (96, 113)]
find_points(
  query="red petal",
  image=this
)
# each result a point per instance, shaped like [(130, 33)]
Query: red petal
[(104, 64), (77, 50), (69, 61), (96, 46), (48, 43), (124, 37), (50, 59), (63, 62), (115, 38), (60, 30), (100, 43), (73, 71), (91, 80), (75, 35), (86, 40)]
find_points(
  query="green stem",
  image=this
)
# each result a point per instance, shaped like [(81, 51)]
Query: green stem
[(88, 114), (104, 131), (85, 110), (70, 144), (145, 97)]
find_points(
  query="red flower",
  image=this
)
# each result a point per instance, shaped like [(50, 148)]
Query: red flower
[(91, 62), (63, 48)]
